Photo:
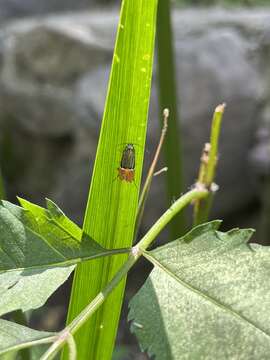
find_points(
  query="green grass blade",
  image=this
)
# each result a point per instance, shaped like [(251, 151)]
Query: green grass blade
[(168, 99), (112, 203)]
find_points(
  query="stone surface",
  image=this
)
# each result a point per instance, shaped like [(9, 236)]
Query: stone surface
[(53, 77), (42, 61), (259, 156), (17, 8)]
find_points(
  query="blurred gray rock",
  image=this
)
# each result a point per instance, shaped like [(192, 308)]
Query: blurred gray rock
[(53, 79), (21, 8), (42, 61), (259, 156)]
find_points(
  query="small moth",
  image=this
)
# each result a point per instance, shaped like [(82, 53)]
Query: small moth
[(126, 171)]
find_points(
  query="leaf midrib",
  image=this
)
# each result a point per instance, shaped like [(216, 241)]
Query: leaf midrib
[(211, 300), (66, 261), (69, 262)]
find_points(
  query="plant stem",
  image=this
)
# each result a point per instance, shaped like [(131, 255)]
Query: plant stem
[(215, 131), (164, 169), (168, 99), (151, 171), (135, 254), (178, 205), (207, 170), (72, 348)]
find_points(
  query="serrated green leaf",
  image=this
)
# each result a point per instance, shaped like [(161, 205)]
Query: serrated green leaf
[(54, 214), (33, 241), (208, 297), (32, 237), (30, 289), (14, 337)]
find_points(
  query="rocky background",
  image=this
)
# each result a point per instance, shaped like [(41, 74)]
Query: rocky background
[(54, 68), (53, 77)]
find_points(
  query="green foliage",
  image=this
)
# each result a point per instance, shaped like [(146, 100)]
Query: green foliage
[(112, 204), (35, 237), (207, 297), (33, 241), (168, 99), (14, 337), (30, 289)]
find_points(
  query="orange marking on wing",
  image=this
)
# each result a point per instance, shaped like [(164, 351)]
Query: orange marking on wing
[(126, 174)]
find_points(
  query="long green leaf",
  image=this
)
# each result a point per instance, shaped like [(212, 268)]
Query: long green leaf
[(208, 297), (2, 188), (168, 99), (14, 337), (112, 203)]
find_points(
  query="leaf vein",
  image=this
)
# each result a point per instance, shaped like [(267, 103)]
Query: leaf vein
[(214, 302)]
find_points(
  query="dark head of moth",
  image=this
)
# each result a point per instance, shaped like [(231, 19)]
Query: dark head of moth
[(126, 171)]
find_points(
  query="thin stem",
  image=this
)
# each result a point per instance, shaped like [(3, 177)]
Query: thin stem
[(204, 163), (207, 170), (160, 171), (151, 172), (135, 254), (215, 131), (89, 309), (201, 181), (183, 201), (72, 348)]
